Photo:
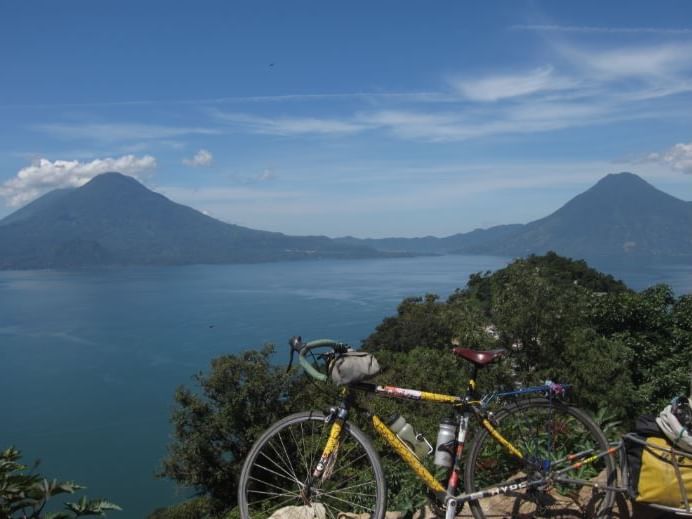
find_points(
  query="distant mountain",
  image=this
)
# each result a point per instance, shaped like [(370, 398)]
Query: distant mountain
[(115, 220), (621, 216), (432, 245)]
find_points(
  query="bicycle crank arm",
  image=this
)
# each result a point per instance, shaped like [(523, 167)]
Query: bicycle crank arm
[(451, 508)]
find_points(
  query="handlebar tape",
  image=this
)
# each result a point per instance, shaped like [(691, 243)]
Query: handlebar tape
[(305, 363)]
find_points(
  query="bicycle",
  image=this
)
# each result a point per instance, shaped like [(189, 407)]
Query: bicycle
[(534, 456)]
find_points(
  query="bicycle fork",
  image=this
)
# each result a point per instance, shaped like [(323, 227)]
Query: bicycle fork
[(325, 465)]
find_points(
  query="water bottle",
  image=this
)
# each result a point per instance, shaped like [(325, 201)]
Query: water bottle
[(445, 435), (415, 442)]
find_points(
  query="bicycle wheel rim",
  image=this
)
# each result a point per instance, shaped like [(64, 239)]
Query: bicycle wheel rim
[(277, 480), (547, 433)]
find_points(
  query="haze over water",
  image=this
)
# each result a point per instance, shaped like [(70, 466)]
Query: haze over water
[(90, 359)]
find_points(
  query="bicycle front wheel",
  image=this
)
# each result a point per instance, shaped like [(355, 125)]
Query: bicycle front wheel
[(547, 482), (277, 482)]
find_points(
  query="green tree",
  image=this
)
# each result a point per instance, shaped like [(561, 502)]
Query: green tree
[(656, 328), (25, 494), (419, 322), (216, 424)]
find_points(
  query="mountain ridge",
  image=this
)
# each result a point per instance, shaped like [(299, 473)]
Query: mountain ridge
[(621, 216), (115, 220)]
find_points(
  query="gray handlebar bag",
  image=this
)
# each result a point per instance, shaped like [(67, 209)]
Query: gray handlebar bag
[(353, 366)]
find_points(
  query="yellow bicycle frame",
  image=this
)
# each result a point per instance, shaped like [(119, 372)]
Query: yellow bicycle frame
[(398, 445), (405, 453)]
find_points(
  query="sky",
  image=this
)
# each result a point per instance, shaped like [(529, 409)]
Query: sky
[(370, 119)]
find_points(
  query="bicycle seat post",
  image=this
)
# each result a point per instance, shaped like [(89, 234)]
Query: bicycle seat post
[(471, 390)]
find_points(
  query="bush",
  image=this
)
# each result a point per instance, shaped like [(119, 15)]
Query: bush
[(24, 494)]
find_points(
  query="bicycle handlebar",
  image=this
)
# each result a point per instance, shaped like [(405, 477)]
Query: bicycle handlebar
[(304, 347)]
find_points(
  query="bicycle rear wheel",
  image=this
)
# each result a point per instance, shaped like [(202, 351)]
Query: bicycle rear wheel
[(552, 437), (276, 480)]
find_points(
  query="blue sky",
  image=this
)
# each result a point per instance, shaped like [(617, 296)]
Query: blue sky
[(364, 118)]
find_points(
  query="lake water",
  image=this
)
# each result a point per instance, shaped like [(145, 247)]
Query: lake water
[(90, 359)]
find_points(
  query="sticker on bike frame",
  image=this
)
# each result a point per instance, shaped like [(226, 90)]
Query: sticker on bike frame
[(414, 394), (502, 489)]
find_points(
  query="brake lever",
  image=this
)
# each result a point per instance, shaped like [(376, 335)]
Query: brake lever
[(296, 344)]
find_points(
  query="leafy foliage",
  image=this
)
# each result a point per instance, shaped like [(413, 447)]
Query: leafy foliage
[(24, 494), (215, 427), (624, 352), (419, 322)]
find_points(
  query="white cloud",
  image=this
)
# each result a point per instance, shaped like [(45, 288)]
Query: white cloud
[(44, 175), (522, 118), (679, 158), (265, 175), (495, 88), (585, 86), (420, 126), (288, 126), (556, 114), (201, 158), (114, 132), (651, 63), (607, 30), (280, 98)]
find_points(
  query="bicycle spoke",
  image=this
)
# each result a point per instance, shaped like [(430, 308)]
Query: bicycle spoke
[(345, 494), (318, 445), (273, 494), (351, 503), (343, 485), (280, 505), (302, 450), (267, 484), (341, 489), (329, 511), (287, 455), (551, 436), (286, 474), (277, 456), (291, 498), (344, 467), (270, 478)]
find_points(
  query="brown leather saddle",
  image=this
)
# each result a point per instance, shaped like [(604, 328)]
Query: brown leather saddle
[(480, 358)]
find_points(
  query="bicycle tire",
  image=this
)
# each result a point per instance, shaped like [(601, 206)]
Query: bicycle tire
[(545, 431), (276, 477)]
